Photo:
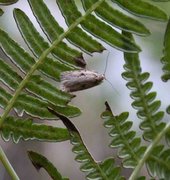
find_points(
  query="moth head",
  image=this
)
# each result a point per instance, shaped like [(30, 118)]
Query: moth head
[(100, 77)]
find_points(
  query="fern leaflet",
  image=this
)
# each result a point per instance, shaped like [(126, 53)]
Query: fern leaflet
[(130, 149), (143, 99), (39, 161), (103, 170), (25, 129)]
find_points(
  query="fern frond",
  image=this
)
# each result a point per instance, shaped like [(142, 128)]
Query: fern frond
[(156, 159), (96, 27), (144, 102), (19, 57), (37, 45), (52, 29), (1, 12), (7, 2), (143, 9), (166, 54), (123, 138), (37, 86), (40, 61), (48, 92), (24, 61), (117, 18), (35, 106), (103, 170), (112, 172), (39, 161), (78, 37), (17, 129), (167, 137), (30, 93), (53, 67), (158, 164), (143, 99)]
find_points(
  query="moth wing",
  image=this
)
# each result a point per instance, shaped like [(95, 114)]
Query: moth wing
[(65, 76), (68, 79), (70, 75), (78, 80)]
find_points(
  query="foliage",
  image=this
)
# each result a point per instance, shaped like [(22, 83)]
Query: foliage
[(26, 129), (30, 84), (40, 161), (7, 2), (130, 149), (143, 99), (93, 169)]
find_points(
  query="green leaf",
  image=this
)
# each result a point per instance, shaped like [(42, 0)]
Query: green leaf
[(78, 37), (144, 100), (104, 32), (98, 28), (36, 43), (18, 129), (48, 92), (166, 54), (158, 164), (117, 18), (38, 108), (123, 138), (108, 167), (53, 31), (69, 110), (8, 76), (141, 178), (92, 169), (35, 106), (24, 61), (7, 2), (42, 89), (36, 85), (39, 161), (143, 9), (1, 12), (19, 57), (167, 136)]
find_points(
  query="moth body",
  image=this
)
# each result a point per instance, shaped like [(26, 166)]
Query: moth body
[(80, 79)]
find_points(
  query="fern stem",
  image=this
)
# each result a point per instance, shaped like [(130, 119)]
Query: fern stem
[(7, 165), (42, 58), (148, 152)]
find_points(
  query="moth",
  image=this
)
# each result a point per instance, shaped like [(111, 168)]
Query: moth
[(77, 80)]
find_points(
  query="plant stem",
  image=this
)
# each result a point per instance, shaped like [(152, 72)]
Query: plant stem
[(7, 165), (148, 152), (42, 58)]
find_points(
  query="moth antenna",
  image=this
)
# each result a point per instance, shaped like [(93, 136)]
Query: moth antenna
[(112, 86), (106, 62), (105, 73)]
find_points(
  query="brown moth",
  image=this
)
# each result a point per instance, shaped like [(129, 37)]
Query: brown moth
[(80, 79)]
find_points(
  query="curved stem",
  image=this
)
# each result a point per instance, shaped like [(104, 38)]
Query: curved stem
[(148, 152), (7, 165), (42, 58)]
